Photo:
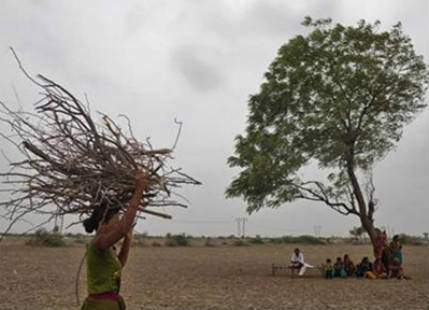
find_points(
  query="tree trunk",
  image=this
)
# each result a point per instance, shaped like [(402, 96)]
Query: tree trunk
[(368, 225), (365, 216)]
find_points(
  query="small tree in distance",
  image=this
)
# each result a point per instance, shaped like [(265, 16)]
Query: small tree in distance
[(357, 232), (339, 98)]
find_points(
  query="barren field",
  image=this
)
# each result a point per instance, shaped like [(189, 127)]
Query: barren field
[(198, 277)]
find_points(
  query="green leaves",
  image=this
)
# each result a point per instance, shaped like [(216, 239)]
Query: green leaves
[(340, 97)]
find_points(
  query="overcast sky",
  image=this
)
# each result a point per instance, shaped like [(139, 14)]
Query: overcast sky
[(199, 61)]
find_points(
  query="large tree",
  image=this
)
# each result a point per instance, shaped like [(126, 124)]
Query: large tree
[(339, 98)]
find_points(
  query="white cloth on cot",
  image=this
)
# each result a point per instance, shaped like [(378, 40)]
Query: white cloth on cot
[(304, 268)]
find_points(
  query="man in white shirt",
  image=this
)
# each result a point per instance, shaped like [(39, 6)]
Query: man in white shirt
[(298, 263)]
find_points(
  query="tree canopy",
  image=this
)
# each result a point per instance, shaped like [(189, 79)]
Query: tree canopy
[(338, 97)]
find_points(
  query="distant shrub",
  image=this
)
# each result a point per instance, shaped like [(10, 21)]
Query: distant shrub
[(357, 232), (156, 244), (411, 240), (44, 238), (140, 239), (307, 239), (140, 235), (257, 240), (240, 243), (79, 239), (276, 240), (177, 240), (209, 242), (304, 239)]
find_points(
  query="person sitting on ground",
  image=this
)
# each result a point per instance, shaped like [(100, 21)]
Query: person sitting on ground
[(363, 267), (297, 262), (396, 248), (349, 267), (379, 269), (328, 269), (339, 271), (396, 271), (387, 257)]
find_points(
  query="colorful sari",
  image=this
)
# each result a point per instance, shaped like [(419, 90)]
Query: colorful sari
[(349, 267), (396, 249), (379, 269), (94, 302), (395, 269)]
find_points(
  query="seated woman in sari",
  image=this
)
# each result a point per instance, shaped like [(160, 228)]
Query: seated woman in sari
[(349, 267), (379, 269), (396, 248), (364, 267), (396, 271), (387, 257), (339, 271)]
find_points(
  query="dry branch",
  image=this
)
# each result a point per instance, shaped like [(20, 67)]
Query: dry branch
[(72, 163)]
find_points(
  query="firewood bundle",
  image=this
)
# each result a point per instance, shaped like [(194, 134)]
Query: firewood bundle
[(72, 164)]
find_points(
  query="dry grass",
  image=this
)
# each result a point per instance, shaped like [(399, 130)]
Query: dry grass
[(221, 277)]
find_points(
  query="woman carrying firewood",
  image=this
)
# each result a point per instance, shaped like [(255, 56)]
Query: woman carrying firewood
[(103, 264)]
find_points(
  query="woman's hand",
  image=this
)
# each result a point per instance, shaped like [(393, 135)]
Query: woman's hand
[(142, 179)]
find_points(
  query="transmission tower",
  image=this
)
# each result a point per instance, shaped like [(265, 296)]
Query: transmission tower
[(238, 221), (241, 226), (317, 229)]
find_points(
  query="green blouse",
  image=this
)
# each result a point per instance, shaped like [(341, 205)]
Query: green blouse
[(103, 270)]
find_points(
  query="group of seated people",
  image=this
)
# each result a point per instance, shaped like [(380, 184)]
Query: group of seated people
[(343, 268), (387, 264)]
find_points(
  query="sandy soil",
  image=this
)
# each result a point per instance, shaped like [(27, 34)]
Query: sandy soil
[(198, 277)]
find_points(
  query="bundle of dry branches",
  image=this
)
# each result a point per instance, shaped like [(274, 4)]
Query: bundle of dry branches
[(72, 163)]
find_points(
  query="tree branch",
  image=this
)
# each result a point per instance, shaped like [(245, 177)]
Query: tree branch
[(320, 194)]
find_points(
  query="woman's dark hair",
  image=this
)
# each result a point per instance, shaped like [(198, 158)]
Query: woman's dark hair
[(101, 212), (396, 237)]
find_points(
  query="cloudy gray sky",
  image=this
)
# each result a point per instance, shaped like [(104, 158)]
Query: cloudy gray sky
[(199, 60)]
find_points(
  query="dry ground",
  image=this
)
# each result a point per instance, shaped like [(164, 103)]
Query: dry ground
[(198, 277)]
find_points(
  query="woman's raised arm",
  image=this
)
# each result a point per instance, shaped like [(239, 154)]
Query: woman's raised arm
[(109, 237)]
